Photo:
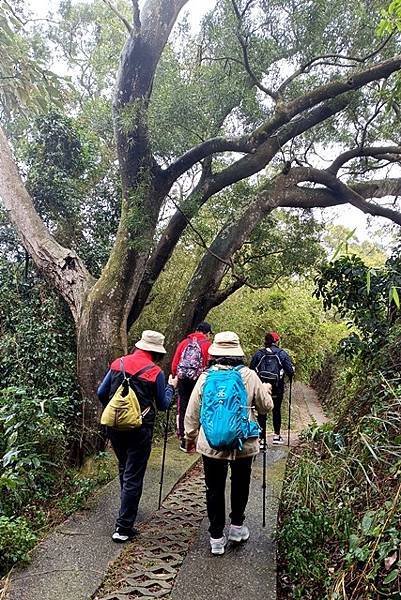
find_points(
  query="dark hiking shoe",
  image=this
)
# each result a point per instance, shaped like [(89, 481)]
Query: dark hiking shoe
[(183, 446), (120, 536), (278, 440)]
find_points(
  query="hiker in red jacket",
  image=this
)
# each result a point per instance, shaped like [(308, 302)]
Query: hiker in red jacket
[(133, 446), (190, 360)]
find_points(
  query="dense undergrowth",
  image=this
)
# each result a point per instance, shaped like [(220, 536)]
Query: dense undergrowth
[(39, 416), (340, 529)]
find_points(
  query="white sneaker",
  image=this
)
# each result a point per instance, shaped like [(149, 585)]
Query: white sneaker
[(278, 440), (217, 545), (238, 533)]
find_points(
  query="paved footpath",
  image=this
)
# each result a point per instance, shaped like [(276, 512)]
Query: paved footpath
[(249, 570), (71, 562)]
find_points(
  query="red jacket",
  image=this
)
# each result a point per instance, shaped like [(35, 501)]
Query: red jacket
[(135, 362), (204, 345)]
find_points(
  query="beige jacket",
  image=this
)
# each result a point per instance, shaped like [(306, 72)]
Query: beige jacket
[(258, 396)]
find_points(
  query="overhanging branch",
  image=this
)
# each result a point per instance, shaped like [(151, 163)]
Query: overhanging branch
[(375, 152)]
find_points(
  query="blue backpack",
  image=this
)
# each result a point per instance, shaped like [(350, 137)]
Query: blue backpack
[(224, 413)]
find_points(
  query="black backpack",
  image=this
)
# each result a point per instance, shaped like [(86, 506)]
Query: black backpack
[(270, 368)]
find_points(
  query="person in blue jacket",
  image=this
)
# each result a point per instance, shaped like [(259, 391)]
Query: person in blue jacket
[(133, 447), (285, 367)]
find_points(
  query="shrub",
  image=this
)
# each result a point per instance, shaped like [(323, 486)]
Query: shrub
[(16, 539), (347, 480), (33, 446)]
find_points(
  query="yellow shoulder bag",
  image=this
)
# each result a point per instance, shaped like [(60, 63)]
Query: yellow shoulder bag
[(123, 410)]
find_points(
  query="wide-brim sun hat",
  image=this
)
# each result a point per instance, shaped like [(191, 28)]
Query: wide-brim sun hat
[(152, 341), (226, 343)]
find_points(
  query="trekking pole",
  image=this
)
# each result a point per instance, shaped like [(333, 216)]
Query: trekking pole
[(289, 412), (264, 474), (163, 458)]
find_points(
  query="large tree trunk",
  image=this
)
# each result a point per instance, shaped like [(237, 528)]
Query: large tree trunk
[(98, 343)]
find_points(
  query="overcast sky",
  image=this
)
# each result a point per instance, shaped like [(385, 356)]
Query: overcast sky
[(346, 215), (196, 8)]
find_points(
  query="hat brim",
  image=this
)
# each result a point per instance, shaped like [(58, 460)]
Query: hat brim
[(141, 345), (219, 350)]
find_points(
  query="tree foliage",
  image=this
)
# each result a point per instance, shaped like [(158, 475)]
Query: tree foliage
[(367, 297)]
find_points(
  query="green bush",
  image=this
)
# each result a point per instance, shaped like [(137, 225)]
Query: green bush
[(16, 539), (33, 447)]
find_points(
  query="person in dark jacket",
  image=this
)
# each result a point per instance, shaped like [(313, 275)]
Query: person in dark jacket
[(133, 447), (286, 368), (188, 365)]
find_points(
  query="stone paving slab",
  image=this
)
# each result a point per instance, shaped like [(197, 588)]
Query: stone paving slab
[(248, 570), (70, 563)]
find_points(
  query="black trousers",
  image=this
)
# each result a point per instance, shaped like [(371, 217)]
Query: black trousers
[(184, 388), (215, 479), (276, 413), (132, 449)]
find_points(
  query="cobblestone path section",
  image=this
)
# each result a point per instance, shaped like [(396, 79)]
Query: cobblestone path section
[(151, 563)]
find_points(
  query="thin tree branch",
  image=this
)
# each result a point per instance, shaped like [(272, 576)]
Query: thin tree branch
[(376, 152), (305, 68), (244, 47), (119, 15), (203, 243)]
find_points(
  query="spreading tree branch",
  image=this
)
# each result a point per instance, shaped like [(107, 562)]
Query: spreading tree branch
[(376, 152), (284, 115)]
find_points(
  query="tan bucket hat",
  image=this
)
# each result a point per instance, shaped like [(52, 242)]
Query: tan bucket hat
[(152, 341), (226, 343)]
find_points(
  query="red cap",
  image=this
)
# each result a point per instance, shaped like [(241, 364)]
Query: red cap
[(275, 336)]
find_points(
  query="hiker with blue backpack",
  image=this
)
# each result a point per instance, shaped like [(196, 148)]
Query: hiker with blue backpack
[(189, 361), (271, 363), (221, 421)]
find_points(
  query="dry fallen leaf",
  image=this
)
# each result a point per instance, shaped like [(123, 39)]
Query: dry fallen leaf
[(390, 560)]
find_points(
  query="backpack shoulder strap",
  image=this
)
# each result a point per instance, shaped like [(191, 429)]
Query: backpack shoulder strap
[(122, 369), (264, 353), (142, 371), (277, 355)]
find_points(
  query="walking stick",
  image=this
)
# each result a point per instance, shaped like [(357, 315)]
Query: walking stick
[(264, 474), (289, 412), (163, 458)]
